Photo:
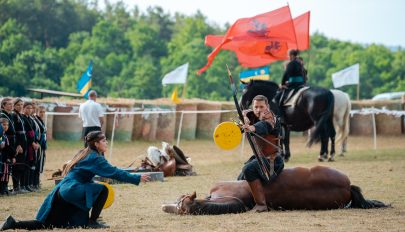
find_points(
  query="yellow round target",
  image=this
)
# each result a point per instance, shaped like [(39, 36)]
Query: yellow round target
[(110, 197), (227, 135)]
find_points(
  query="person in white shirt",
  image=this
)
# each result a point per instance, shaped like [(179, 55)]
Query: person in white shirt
[(91, 113)]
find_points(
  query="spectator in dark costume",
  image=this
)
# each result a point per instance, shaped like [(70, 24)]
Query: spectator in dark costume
[(32, 146), (6, 157), (262, 122), (20, 169), (69, 203), (34, 181), (7, 113), (39, 119)]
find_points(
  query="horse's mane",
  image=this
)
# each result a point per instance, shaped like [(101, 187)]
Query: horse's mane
[(255, 87), (263, 82), (206, 207)]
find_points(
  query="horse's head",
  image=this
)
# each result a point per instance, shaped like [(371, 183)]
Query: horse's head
[(258, 87), (182, 205)]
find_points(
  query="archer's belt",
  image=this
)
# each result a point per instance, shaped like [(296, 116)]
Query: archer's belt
[(20, 132)]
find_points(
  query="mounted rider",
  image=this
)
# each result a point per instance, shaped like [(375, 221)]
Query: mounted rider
[(294, 77), (265, 127)]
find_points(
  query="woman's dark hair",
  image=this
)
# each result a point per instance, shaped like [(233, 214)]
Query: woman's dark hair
[(91, 139), (17, 100), (4, 101), (28, 104)]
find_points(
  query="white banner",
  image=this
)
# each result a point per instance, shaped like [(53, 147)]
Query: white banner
[(177, 76), (347, 76)]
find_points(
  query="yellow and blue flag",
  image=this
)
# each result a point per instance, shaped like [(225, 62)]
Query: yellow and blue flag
[(84, 84), (262, 73)]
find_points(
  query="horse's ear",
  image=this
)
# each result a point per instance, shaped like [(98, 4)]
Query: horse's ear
[(245, 82), (193, 196)]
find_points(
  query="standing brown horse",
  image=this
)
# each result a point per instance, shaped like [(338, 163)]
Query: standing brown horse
[(296, 188)]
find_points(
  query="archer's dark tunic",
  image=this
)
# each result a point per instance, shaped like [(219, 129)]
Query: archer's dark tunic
[(268, 128)]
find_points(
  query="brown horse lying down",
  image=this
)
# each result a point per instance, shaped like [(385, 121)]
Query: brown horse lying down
[(295, 188)]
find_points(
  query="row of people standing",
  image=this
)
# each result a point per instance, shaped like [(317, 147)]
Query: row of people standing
[(23, 145)]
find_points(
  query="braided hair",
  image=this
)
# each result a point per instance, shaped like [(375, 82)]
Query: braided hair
[(91, 139)]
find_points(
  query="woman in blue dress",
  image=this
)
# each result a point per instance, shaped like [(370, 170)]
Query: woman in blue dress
[(69, 203)]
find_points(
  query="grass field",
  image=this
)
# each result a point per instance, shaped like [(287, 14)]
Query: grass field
[(380, 173)]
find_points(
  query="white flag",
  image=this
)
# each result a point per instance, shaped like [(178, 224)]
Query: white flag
[(177, 76), (347, 76)]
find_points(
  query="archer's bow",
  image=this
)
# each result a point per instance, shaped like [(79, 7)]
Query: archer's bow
[(248, 135)]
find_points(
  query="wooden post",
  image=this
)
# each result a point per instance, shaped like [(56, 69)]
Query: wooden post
[(358, 91), (183, 94)]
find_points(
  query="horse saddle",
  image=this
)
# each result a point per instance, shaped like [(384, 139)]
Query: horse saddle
[(293, 95), (183, 168), (177, 165)]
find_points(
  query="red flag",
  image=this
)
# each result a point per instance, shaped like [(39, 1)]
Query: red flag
[(272, 51), (263, 36), (214, 41), (301, 24), (276, 49)]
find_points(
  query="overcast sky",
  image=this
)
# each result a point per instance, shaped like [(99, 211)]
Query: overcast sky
[(363, 21)]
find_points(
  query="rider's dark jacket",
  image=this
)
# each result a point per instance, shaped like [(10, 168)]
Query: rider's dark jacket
[(294, 74)]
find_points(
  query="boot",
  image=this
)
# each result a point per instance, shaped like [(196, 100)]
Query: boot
[(9, 223), (2, 189), (258, 195), (94, 224)]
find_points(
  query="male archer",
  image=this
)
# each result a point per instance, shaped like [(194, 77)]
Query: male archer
[(265, 127)]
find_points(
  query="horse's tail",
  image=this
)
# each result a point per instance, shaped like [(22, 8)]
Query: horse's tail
[(215, 208), (325, 122), (344, 133), (359, 202)]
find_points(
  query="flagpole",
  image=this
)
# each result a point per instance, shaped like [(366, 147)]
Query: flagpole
[(295, 34), (309, 60)]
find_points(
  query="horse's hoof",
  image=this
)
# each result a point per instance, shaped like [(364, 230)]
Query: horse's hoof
[(341, 155), (320, 159), (331, 159), (259, 209)]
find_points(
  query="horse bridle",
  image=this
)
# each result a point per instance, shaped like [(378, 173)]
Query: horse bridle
[(179, 204)]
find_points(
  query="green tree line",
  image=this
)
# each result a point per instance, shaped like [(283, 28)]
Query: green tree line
[(49, 43)]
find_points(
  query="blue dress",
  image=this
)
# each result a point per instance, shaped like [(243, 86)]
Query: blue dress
[(79, 189)]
